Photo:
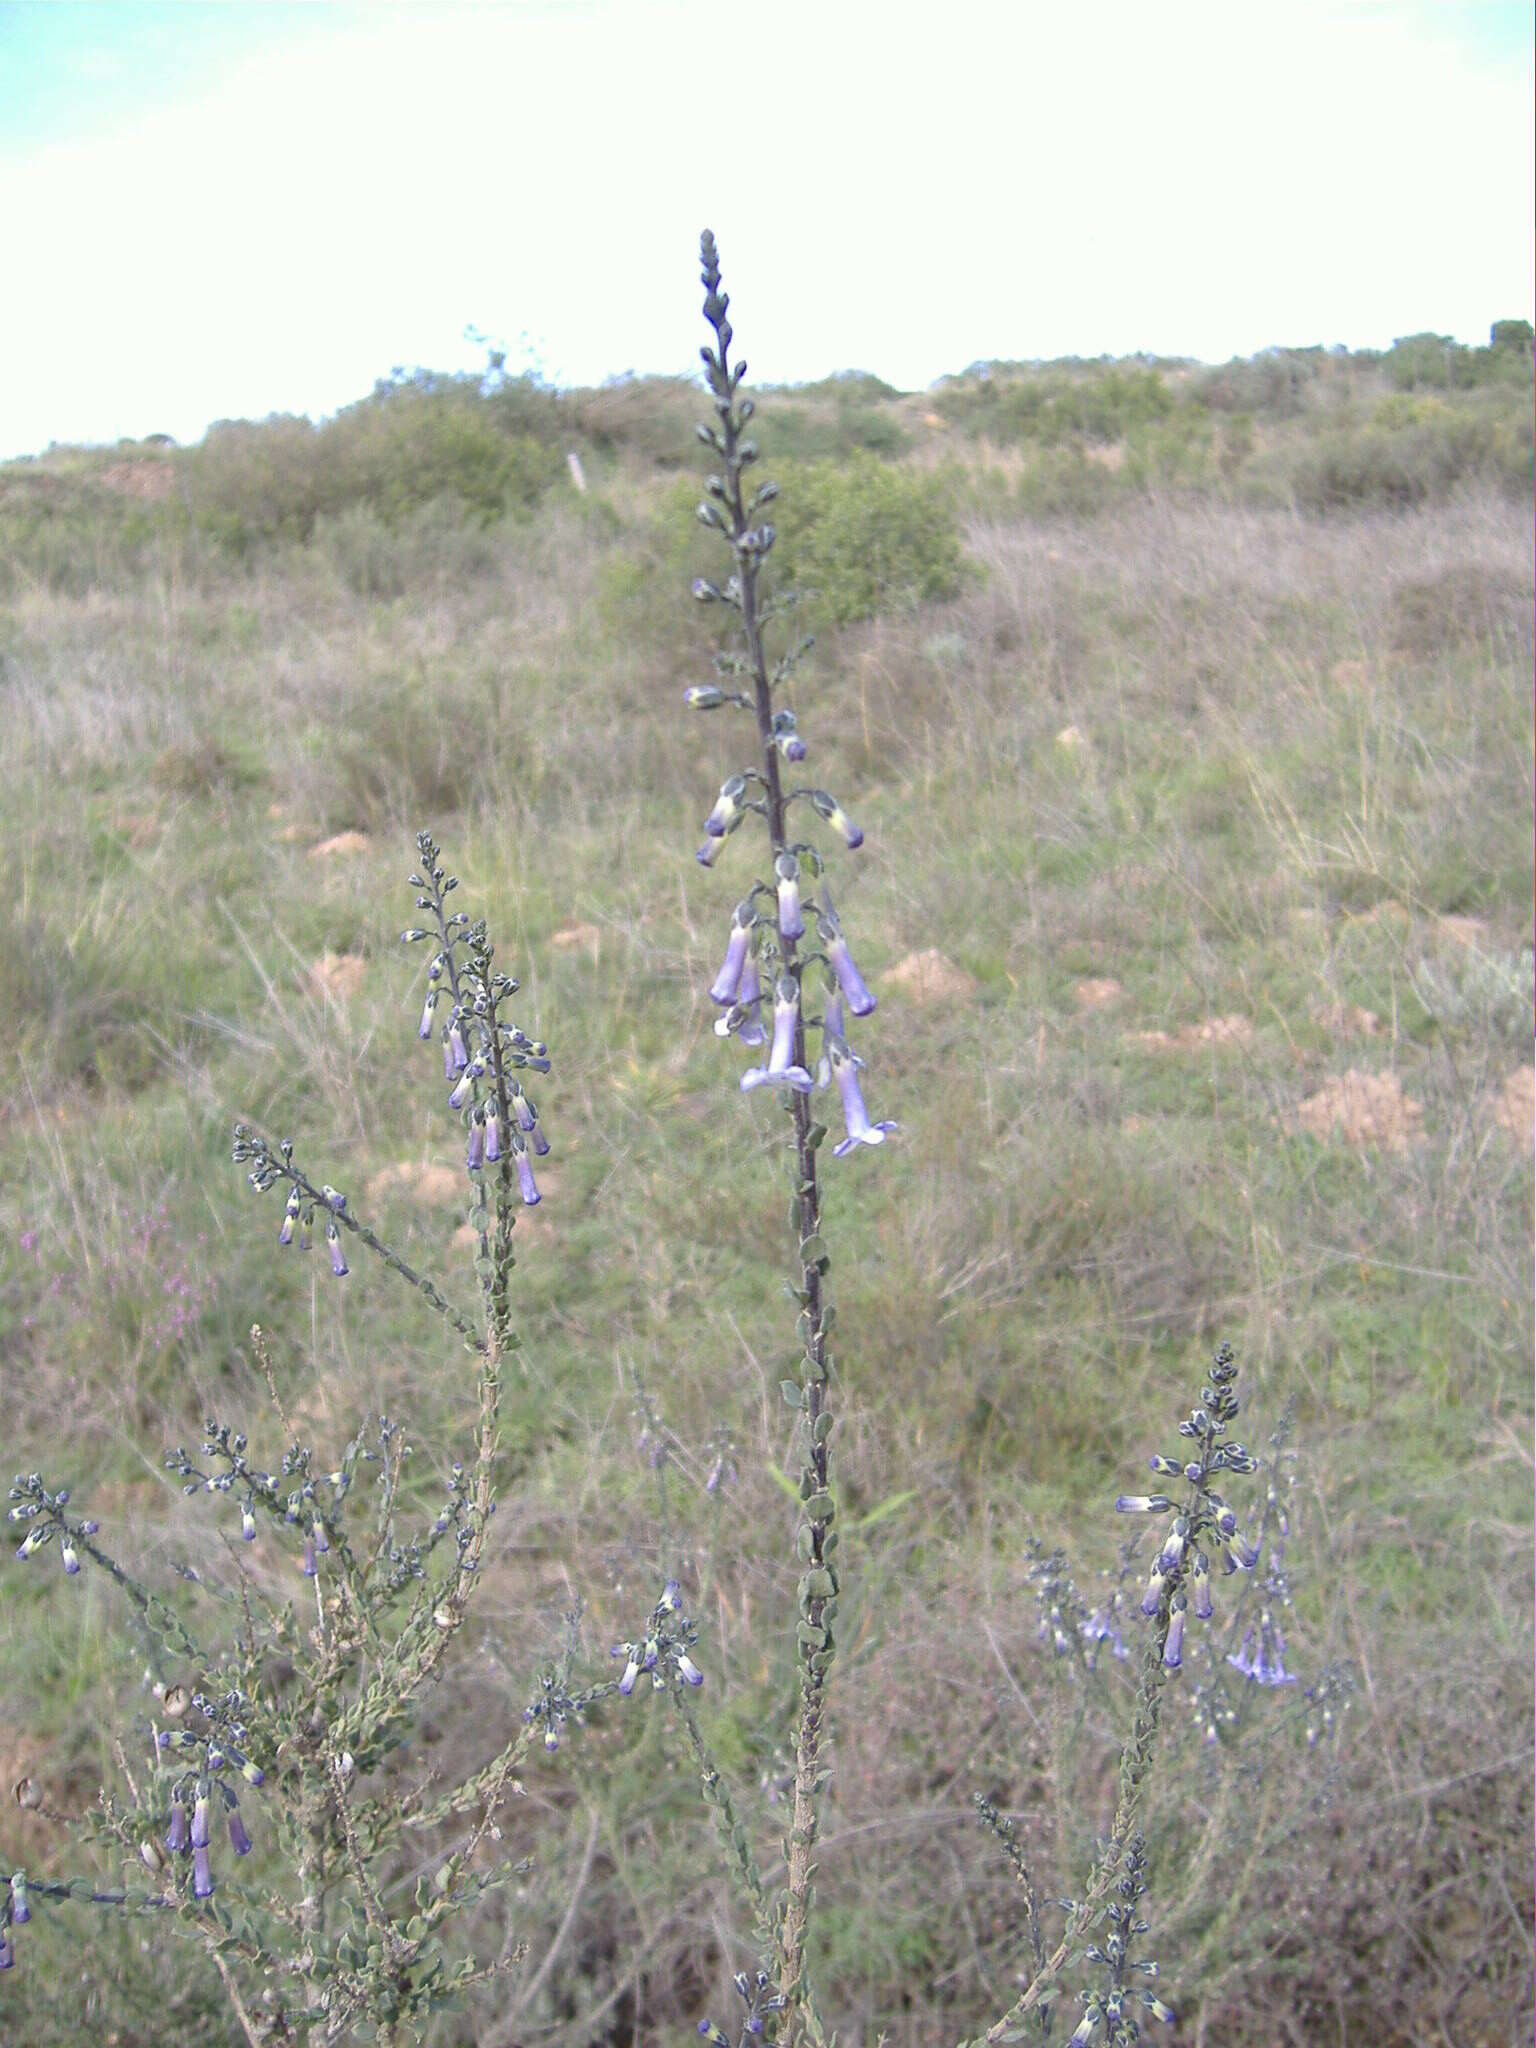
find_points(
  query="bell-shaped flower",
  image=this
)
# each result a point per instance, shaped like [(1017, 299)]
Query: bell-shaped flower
[(781, 1070), (828, 808), (725, 984), (239, 1840), (474, 1156), (840, 960), (727, 813), (861, 1131), (525, 1179), (791, 919), (492, 1132), (177, 1837), (333, 1245), (202, 1873), (527, 1119), (1173, 1645), (687, 1670)]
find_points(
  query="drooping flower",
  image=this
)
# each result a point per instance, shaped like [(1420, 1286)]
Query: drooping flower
[(67, 1556), (860, 1130), (525, 1179), (239, 1840), (290, 1217), (725, 984), (687, 1670), (333, 1245), (781, 1070), (1173, 1645), (828, 808), (21, 1912), (177, 1838), (474, 1157), (840, 960), (527, 1117), (492, 1132), (727, 813), (791, 919), (1262, 1656), (202, 1873)]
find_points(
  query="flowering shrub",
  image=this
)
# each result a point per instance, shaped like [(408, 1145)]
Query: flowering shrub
[(274, 1831)]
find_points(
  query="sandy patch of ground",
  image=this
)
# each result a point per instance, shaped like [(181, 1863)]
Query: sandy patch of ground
[(1218, 1031), (437, 1186), (1362, 1109), (340, 842), (1349, 1020), (338, 975), (573, 938), (1094, 994), (1515, 1108), (930, 977)]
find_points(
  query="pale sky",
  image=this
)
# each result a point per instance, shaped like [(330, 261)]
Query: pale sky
[(228, 211)]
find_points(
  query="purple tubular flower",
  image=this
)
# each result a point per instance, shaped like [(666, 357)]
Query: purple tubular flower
[(290, 1217), (67, 1557), (849, 979), (426, 1016), (333, 1245), (781, 1071), (309, 1566), (200, 1823), (742, 1018), (458, 1051), (791, 746), (687, 1670), (202, 1874), (1203, 1606), (1152, 1599), (7, 1954), (449, 1069), (1173, 1648), (239, 1840), (177, 1839), (726, 815), (21, 1912), (860, 1130), (475, 1156), (631, 1669), (492, 1134), (728, 980), (791, 920), (709, 852), (828, 808), (525, 1179)]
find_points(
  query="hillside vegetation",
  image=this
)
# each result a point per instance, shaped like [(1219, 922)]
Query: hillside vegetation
[(1188, 713)]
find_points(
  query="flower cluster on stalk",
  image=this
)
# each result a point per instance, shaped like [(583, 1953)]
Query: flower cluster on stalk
[(760, 2002), (661, 1650), (786, 923), (1204, 1526), (47, 1521), (207, 1760), (1113, 2002)]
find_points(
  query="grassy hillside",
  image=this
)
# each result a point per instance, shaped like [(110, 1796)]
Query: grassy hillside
[(1188, 715)]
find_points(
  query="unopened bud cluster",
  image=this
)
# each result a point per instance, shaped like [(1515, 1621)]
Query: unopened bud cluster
[(1204, 1526)]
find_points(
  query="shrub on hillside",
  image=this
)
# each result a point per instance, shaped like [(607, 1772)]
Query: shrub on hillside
[(865, 537)]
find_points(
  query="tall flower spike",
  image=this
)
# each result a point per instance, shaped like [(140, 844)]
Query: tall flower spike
[(861, 1131), (781, 1070)]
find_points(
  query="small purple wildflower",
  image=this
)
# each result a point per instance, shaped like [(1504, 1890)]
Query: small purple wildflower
[(781, 1070), (202, 1873), (333, 1245), (727, 813), (525, 1180), (791, 918), (474, 1158), (725, 984), (177, 1839), (239, 1840), (861, 1131), (1173, 1646)]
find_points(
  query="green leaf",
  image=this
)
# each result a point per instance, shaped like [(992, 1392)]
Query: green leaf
[(821, 1507), (886, 1509), (783, 1480), (790, 1389)]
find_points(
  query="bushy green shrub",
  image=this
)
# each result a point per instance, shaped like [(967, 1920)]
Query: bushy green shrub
[(1051, 406), (861, 537)]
